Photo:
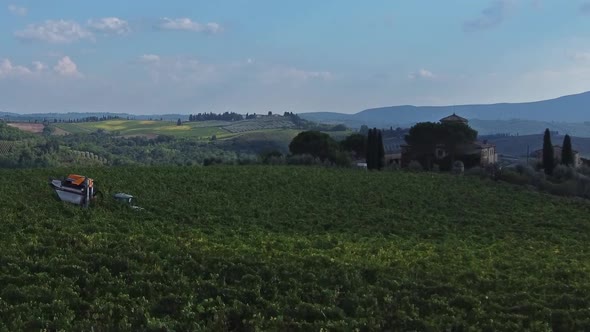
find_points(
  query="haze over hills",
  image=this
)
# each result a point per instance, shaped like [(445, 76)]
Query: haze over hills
[(490, 118), (11, 116), (567, 114)]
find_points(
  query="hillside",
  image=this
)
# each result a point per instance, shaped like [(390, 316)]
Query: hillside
[(148, 128), (10, 116), (564, 111), (198, 129), (529, 127), (283, 248), (517, 145)]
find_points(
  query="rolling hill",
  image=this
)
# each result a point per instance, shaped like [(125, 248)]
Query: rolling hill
[(10, 116), (148, 128), (517, 145), (493, 117), (291, 249)]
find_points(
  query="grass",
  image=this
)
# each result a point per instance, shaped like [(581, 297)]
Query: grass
[(289, 248)]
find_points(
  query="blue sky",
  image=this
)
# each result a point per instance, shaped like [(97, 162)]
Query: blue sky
[(190, 56)]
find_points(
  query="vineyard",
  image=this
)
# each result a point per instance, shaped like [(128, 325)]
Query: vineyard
[(147, 128), (7, 146), (264, 123), (291, 249), (81, 156)]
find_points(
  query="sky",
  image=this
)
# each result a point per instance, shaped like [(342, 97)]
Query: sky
[(189, 56)]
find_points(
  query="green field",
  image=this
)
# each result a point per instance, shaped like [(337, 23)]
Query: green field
[(144, 127), (272, 130), (287, 248)]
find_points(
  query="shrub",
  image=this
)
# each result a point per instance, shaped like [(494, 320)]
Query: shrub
[(303, 159), (340, 158), (493, 171), (584, 169), (271, 157), (525, 170), (275, 161), (247, 160), (314, 143), (475, 171), (563, 173), (513, 177), (212, 161), (415, 166), (567, 188), (583, 186), (392, 167), (458, 167), (537, 179)]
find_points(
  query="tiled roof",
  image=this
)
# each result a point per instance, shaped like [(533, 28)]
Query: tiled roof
[(453, 118)]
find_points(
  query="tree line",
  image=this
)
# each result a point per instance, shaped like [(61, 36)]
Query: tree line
[(356, 146), (226, 116), (232, 116)]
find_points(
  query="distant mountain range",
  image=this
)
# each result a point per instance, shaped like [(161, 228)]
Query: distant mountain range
[(533, 116)]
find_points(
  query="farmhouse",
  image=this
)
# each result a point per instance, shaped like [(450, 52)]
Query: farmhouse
[(538, 154), (471, 154)]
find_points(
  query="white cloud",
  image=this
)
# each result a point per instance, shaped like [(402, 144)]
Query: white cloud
[(423, 74), (39, 66), (56, 32), (112, 25), (67, 68), (7, 69), (149, 58), (18, 11), (187, 24)]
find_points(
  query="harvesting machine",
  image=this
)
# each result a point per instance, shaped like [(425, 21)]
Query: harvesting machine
[(75, 189), (81, 190)]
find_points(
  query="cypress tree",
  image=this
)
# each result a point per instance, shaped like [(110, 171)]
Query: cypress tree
[(380, 151), (375, 150), (567, 155), (370, 144), (548, 158)]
